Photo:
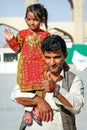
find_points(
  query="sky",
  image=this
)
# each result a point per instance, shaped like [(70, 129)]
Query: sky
[(58, 11)]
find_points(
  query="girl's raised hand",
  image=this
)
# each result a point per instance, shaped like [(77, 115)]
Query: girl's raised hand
[(8, 34)]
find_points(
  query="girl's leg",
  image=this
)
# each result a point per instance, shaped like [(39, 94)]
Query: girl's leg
[(27, 118), (36, 116)]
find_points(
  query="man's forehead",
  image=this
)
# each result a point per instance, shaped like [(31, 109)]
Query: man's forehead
[(57, 52)]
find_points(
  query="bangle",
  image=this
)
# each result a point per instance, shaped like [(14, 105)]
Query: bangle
[(57, 91)]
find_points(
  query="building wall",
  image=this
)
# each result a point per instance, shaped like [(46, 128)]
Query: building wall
[(76, 30)]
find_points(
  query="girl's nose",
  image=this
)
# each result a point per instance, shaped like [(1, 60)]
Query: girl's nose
[(31, 22)]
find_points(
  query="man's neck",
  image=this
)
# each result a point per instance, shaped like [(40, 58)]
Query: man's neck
[(56, 77)]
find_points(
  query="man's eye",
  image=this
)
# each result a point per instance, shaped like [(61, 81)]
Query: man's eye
[(47, 57)]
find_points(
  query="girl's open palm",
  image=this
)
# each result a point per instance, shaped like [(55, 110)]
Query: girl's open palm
[(8, 34)]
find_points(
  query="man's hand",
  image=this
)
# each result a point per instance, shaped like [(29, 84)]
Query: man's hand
[(44, 109), (49, 85)]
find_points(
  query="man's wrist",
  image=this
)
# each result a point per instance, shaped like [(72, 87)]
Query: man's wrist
[(57, 91)]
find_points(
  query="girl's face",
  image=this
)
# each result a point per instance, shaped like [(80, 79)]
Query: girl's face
[(33, 21)]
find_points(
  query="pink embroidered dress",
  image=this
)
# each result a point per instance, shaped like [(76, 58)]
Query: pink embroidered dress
[(31, 66)]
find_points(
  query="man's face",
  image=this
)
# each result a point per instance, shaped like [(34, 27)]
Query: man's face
[(54, 60)]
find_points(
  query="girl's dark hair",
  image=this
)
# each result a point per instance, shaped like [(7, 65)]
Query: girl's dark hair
[(39, 10), (53, 43)]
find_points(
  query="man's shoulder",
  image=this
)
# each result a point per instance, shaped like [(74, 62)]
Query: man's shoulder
[(71, 73), (70, 77)]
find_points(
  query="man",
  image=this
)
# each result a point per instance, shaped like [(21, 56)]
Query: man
[(63, 90)]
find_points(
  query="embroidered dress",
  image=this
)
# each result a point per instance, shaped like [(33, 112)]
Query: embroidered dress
[(31, 66)]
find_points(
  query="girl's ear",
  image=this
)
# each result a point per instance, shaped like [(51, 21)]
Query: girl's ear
[(43, 20)]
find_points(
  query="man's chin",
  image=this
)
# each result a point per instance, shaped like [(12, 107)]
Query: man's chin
[(53, 71)]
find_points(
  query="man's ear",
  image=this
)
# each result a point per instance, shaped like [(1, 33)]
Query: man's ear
[(65, 54)]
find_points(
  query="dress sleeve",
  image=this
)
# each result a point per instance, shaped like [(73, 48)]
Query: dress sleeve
[(16, 43), (44, 34)]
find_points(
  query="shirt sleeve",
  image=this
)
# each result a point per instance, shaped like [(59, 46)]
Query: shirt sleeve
[(75, 96), (16, 93)]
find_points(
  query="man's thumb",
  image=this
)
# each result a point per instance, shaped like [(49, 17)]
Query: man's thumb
[(48, 75)]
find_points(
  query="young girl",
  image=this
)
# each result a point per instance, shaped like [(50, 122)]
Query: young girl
[(31, 66)]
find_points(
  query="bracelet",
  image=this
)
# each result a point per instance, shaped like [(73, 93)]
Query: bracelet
[(56, 93)]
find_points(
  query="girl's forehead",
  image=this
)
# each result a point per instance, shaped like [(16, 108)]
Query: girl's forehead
[(32, 14)]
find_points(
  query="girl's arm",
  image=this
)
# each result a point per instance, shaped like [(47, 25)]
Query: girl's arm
[(12, 41)]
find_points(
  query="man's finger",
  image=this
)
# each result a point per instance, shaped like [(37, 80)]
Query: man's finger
[(51, 116), (48, 75)]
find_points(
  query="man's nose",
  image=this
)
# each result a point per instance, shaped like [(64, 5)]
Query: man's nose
[(52, 61)]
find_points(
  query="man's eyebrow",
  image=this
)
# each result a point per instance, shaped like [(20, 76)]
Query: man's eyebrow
[(57, 56), (47, 56)]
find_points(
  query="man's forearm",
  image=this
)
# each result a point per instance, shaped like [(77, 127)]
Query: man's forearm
[(44, 108), (62, 99), (28, 101)]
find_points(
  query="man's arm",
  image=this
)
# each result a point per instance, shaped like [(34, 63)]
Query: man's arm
[(44, 108), (26, 102), (50, 86), (72, 100)]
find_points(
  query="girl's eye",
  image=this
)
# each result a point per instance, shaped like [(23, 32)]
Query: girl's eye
[(28, 19), (36, 19)]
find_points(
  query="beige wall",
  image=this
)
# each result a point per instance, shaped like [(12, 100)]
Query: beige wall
[(76, 30)]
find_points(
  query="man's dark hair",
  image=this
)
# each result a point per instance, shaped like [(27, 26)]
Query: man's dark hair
[(53, 43)]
